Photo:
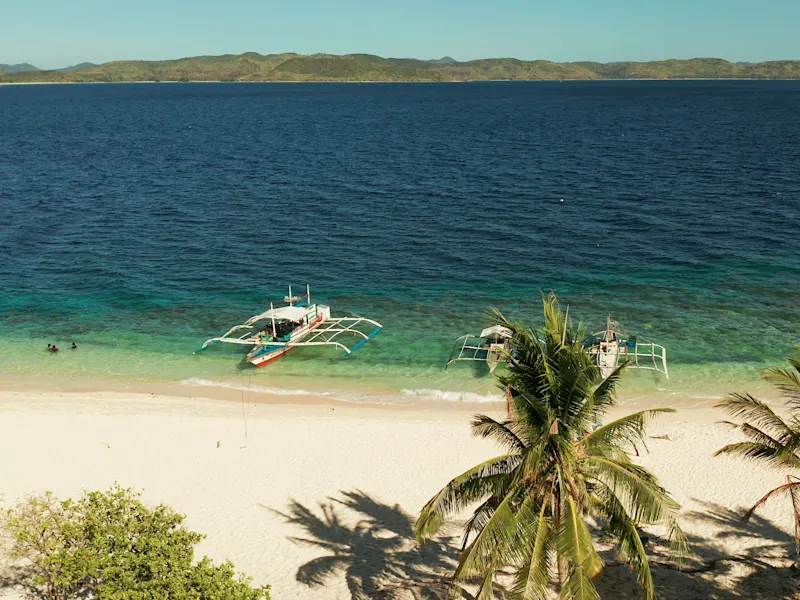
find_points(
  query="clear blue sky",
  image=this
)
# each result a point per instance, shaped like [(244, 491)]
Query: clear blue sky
[(55, 33)]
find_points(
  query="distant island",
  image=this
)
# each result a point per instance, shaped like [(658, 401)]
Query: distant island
[(25, 67), (252, 66)]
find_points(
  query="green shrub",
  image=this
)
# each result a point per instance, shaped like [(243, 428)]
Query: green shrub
[(110, 545)]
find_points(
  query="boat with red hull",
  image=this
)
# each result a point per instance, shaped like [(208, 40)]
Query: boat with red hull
[(300, 323)]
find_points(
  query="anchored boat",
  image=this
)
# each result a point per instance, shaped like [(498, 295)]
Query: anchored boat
[(491, 347), (300, 323), (609, 346)]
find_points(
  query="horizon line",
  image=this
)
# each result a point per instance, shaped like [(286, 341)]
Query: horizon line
[(443, 57)]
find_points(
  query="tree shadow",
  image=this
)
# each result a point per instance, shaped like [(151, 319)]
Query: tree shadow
[(19, 578), (372, 546), (762, 567), (772, 540)]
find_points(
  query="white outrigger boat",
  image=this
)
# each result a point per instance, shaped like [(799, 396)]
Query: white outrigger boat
[(608, 346), (298, 324), (491, 347)]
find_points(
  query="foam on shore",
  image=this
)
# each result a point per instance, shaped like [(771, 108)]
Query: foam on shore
[(450, 396), (259, 389)]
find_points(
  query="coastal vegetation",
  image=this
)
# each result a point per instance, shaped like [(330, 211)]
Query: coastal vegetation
[(562, 470), (771, 440), (252, 66), (111, 545)]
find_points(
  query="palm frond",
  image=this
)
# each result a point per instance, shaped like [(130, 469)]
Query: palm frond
[(534, 577), (486, 427), (786, 489), (479, 518), (486, 587), (574, 542), (575, 385), (604, 395), (769, 452), (787, 380), (531, 413), (754, 434), (754, 411), (634, 487), (629, 429), (471, 486), (629, 542), (493, 543), (578, 586), (555, 321)]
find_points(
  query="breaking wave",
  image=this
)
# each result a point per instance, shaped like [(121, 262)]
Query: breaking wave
[(250, 388), (466, 397)]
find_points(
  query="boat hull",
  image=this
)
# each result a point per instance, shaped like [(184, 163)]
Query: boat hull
[(267, 353), (608, 359), (262, 359)]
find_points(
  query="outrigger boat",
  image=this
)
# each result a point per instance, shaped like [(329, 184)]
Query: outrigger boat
[(298, 324), (608, 346), (491, 347)]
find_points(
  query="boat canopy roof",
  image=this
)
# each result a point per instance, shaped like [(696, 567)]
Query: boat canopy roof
[(496, 331), (285, 313)]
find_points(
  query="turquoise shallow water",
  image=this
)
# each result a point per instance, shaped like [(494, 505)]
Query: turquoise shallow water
[(144, 219)]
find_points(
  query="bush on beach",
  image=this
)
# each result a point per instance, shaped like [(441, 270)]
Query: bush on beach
[(111, 545)]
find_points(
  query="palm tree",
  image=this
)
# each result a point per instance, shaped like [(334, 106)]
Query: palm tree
[(770, 439), (534, 500)]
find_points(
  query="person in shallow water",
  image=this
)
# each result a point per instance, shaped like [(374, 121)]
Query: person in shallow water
[(52, 348), (74, 347)]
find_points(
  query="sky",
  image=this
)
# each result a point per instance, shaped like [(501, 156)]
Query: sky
[(55, 33)]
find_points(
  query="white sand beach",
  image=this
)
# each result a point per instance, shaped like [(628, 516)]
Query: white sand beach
[(352, 478)]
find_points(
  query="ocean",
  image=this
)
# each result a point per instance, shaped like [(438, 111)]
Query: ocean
[(139, 220)]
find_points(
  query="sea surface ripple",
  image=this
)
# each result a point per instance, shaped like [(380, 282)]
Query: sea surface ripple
[(140, 219)]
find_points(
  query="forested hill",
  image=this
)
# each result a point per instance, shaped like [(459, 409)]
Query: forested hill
[(366, 67)]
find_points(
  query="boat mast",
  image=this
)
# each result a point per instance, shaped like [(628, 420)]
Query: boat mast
[(290, 295), (272, 312), (308, 293)]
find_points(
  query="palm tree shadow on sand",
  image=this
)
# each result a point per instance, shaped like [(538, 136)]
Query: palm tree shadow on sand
[(759, 570), (372, 546)]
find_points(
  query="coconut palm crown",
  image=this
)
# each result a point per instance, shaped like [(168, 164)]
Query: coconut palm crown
[(771, 440), (559, 470)]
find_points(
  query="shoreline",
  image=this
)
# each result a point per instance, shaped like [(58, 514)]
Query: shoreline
[(223, 394), (373, 399)]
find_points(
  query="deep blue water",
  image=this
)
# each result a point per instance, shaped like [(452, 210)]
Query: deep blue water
[(140, 219)]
